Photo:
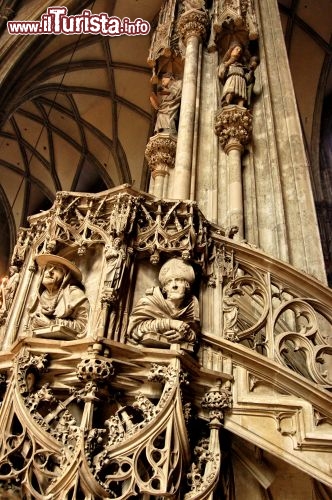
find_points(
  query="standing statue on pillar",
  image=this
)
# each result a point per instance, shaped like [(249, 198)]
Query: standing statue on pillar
[(235, 77), (167, 103)]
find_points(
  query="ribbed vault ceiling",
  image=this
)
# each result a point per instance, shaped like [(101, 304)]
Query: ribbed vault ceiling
[(76, 112)]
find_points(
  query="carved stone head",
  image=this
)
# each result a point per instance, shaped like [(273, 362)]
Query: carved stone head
[(45, 259), (176, 269)]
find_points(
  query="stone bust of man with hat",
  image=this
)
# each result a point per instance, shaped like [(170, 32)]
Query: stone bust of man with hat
[(61, 308), (168, 315)]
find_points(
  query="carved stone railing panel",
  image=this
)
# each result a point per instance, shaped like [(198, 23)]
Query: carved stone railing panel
[(79, 420), (273, 318), (303, 340)]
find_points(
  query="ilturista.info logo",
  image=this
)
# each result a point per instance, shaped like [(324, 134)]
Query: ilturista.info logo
[(56, 21)]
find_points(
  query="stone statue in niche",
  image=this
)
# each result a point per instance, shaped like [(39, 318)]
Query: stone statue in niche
[(21, 247), (115, 263), (236, 76), (230, 315), (8, 290), (167, 103), (61, 308), (169, 315), (253, 63)]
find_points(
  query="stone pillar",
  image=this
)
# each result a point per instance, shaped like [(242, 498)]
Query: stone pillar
[(235, 195), (192, 29), (233, 127), (160, 154)]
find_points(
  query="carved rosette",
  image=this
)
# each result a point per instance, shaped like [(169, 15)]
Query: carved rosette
[(233, 126), (160, 154), (94, 368), (193, 23)]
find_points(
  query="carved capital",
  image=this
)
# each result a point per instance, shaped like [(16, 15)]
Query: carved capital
[(233, 126), (193, 23), (160, 153)]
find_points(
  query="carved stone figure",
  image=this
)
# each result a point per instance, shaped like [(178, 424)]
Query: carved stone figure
[(167, 103), (8, 289), (115, 258), (231, 312), (61, 307), (170, 315), (233, 74), (253, 63), (21, 247)]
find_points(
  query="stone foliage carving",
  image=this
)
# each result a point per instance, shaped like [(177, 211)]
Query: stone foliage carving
[(233, 126), (80, 222), (160, 154), (193, 23), (170, 315), (128, 454), (61, 308)]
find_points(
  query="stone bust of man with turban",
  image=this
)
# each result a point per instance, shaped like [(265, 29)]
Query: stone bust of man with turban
[(170, 314)]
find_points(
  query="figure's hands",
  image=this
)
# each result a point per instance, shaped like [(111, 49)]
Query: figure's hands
[(179, 331), (39, 319), (154, 101)]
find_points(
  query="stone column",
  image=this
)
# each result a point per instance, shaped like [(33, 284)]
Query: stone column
[(233, 127), (192, 29), (160, 154)]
